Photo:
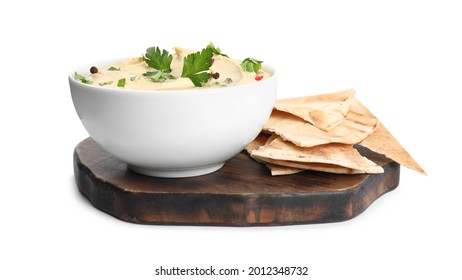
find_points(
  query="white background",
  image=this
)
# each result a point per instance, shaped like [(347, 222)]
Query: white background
[(404, 58)]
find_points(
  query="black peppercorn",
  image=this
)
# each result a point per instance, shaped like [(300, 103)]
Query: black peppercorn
[(93, 70), (216, 75)]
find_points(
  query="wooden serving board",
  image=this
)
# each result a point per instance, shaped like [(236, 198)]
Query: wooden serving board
[(242, 193)]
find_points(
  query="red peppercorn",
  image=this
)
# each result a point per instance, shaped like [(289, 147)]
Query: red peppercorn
[(258, 78), (213, 60)]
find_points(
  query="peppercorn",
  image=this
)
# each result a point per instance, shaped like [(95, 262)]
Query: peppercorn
[(216, 75), (93, 70), (258, 78)]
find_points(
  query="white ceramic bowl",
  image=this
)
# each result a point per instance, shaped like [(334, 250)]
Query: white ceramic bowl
[(173, 133)]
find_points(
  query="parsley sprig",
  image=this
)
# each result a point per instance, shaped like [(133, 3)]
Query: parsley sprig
[(159, 60), (216, 50), (196, 65), (251, 65)]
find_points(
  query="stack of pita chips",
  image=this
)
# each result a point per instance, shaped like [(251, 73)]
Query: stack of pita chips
[(320, 133)]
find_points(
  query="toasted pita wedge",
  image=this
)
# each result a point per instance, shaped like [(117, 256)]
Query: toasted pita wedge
[(301, 166), (358, 124), (278, 170), (275, 169), (324, 111), (330, 155), (259, 141), (382, 142)]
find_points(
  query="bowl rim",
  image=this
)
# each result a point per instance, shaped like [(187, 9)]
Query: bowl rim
[(84, 70)]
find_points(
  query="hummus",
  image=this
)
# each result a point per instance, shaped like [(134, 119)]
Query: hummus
[(224, 72)]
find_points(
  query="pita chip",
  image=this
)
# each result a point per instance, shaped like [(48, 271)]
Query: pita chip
[(275, 169), (259, 141), (278, 170), (336, 158), (301, 166), (382, 142), (357, 125), (324, 111)]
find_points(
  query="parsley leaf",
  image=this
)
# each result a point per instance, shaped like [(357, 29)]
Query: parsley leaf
[(112, 68), (121, 82), (216, 50), (81, 78), (158, 76), (106, 83), (157, 59), (251, 65), (195, 64), (199, 79)]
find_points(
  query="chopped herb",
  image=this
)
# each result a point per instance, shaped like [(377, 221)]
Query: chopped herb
[(218, 84), (81, 78), (216, 50), (195, 65), (157, 59), (150, 73), (158, 76), (106, 83), (121, 82), (133, 78), (93, 70), (112, 68), (251, 65)]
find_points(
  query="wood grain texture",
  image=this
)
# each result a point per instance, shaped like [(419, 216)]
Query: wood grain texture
[(242, 193)]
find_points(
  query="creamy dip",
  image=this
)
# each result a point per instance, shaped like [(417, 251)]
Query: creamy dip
[(224, 72)]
